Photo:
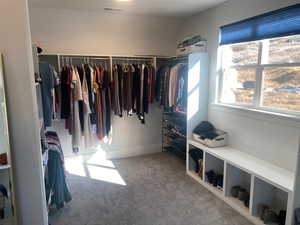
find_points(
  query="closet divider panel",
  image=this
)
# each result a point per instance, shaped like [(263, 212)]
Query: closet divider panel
[(197, 106)]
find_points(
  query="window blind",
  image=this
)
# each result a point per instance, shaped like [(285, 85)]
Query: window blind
[(282, 22)]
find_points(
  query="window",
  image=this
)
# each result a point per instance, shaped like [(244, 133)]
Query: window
[(262, 74)]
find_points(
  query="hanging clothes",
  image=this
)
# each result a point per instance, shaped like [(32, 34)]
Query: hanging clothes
[(134, 87), (171, 87), (90, 94), (76, 94), (107, 101), (57, 190), (136, 99), (47, 74), (116, 92), (87, 128), (128, 85), (65, 90), (98, 91), (181, 94)]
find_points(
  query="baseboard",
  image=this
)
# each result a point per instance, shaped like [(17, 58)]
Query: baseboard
[(133, 151)]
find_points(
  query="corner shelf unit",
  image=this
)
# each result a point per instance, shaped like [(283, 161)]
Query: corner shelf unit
[(266, 183)]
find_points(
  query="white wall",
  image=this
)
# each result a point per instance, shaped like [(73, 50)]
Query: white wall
[(275, 140), (15, 44), (82, 32), (129, 137), (102, 33)]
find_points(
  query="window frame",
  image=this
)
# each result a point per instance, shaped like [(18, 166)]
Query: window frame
[(258, 90)]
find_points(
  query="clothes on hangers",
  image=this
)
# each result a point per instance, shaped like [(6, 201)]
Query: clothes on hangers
[(171, 87), (83, 99), (57, 190), (133, 89), (49, 80), (91, 93)]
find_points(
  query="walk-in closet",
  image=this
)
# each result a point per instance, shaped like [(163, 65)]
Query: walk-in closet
[(161, 112)]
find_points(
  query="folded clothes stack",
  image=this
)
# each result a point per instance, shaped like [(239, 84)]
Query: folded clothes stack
[(190, 41)]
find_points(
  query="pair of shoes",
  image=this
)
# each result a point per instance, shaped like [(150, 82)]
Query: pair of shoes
[(261, 208), (210, 175), (235, 191), (242, 194), (270, 216), (282, 217), (215, 179), (239, 192)]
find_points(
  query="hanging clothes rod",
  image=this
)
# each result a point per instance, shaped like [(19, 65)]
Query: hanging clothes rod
[(84, 57), (131, 59), (99, 58)]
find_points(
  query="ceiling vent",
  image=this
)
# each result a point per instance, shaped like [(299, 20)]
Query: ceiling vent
[(112, 9)]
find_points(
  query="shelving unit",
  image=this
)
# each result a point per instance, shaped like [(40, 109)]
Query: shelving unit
[(174, 121), (174, 133), (266, 183)]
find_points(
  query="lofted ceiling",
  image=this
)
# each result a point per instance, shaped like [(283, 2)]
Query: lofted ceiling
[(170, 8)]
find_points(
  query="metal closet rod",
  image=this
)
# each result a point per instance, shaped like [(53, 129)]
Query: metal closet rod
[(131, 59), (107, 58), (110, 56), (84, 57)]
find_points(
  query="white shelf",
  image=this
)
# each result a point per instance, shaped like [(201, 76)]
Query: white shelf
[(279, 177), (4, 167)]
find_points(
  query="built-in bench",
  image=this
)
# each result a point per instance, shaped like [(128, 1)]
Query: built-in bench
[(266, 183)]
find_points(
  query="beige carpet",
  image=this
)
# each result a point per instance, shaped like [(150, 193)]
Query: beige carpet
[(148, 190)]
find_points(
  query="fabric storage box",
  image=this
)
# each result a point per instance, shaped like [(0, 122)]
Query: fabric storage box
[(219, 141)]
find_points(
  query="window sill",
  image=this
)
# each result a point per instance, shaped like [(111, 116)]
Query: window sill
[(288, 119)]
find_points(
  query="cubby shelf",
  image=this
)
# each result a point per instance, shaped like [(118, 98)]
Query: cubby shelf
[(282, 178), (264, 181)]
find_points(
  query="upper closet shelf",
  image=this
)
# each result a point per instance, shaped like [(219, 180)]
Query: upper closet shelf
[(280, 177)]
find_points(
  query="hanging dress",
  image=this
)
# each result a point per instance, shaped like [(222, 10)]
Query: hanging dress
[(87, 131), (76, 97)]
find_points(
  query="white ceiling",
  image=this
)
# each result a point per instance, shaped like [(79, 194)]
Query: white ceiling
[(171, 8)]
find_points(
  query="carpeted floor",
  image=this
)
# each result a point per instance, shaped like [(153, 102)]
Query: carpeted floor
[(147, 190)]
